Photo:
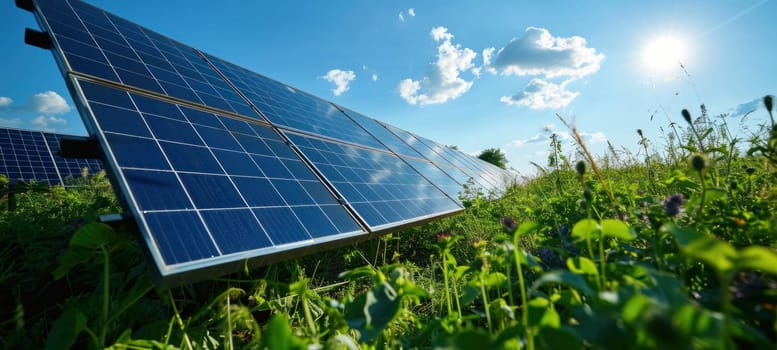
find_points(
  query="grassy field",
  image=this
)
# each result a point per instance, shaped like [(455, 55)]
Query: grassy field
[(673, 248)]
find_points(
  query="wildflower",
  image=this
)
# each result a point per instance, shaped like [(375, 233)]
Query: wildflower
[(442, 236), (509, 224), (588, 195), (580, 167), (699, 161), (672, 205), (686, 116)]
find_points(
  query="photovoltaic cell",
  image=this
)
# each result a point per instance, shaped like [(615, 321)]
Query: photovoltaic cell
[(208, 187), (105, 46), (290, 108), (386, 137), (452, 157), (34, 155), (457, 174), (380, 186)]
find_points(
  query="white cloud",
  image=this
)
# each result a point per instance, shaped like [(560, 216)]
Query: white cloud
[(45, 123), (46, 103), (537, 138), (49, 103), (410, 12), (442, 82), (537, 52), (747, 107), (374, 77), (341, 79), (541, 94)]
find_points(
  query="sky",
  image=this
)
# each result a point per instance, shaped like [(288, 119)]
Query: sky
[(478, 75)]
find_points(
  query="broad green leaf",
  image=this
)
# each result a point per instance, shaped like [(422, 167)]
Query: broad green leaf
[(299, 287), (279, 335), (558, 338), (757, 258), (586, 229), (85, 243), (66, 329), (566, 278), (718, 254), (495, 279), (617, 229), (524, 228), (141, 287), (357, 273), (94, 235), (582, 266), (634, 308), (371, 312)]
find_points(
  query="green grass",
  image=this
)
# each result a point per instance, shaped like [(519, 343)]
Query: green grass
[(671, 248)]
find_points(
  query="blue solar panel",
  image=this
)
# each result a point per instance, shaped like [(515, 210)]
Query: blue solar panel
[(210, 189), (101, 45), (386, 137), (34, 155), (220, 165), (382, 188), (290, 108), (453, 157)]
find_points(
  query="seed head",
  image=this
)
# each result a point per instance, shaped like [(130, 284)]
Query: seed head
[(769, 102), (639, 131), (687, 116), (580, 167), (699, 161), (588, 195)]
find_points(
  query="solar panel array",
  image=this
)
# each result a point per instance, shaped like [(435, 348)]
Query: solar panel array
[(221, 166), (27, 155)]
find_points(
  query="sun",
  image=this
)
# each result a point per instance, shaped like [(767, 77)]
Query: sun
[(663, 54)]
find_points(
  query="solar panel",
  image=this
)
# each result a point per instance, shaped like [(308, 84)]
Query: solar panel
[(34, 155), (289, 108), (382, 188), (101, 45), (221, 166), (208, 188)]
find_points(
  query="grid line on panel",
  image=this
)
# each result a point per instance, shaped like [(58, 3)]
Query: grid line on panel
[(51, 156), (292, 109), (412, 159), (135, 57), (217, 145), (381, 187), (33, 155), (362, 223)]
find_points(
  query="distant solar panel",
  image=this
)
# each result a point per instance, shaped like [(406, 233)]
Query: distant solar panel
[(220, 165), (34, 155)]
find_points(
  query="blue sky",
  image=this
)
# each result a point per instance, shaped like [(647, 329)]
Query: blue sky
[(472, 74)]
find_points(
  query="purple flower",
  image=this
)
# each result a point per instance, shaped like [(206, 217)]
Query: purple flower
[(509, 224), (443, 236), (673, 204)]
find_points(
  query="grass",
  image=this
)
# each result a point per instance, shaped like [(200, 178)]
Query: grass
[(671, 248)]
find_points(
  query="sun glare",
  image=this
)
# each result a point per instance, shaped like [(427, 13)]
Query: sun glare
[(664, 54)]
